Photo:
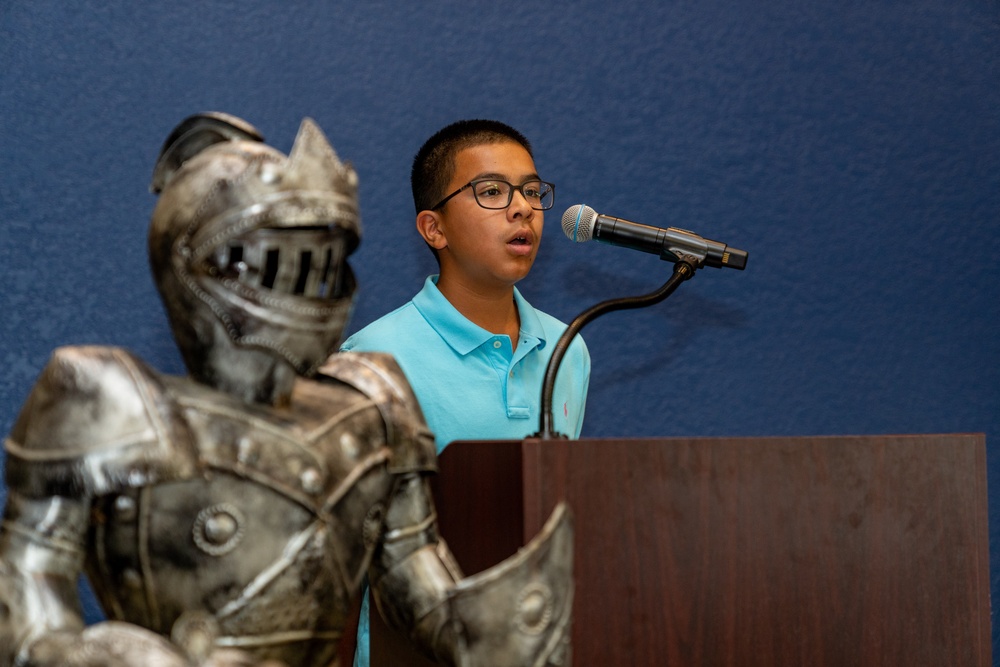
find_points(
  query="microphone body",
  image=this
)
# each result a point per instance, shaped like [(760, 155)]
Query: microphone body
[(582, 223)]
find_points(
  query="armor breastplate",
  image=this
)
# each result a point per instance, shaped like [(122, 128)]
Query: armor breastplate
[(269, 539)]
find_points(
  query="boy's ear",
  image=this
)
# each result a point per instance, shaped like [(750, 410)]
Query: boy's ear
[(429, 226)]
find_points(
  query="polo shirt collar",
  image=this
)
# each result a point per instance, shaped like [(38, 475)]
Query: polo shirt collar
[(462, 335)]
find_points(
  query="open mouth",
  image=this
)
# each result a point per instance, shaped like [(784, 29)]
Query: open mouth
[(521, 244), (522, 239)]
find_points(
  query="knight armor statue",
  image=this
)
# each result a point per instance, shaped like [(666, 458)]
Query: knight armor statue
[(229, 517)]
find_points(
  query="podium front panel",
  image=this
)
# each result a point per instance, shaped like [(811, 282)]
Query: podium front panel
[(745, 551)]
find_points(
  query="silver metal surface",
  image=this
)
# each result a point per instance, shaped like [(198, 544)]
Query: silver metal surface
[(228, 518)]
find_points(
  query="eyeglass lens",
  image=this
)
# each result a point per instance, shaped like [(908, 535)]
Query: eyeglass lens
[(498, 194)]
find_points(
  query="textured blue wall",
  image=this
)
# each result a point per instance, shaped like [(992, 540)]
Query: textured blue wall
[(853, 148)]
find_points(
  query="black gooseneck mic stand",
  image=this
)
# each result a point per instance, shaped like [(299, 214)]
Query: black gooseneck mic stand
[(684, 269)]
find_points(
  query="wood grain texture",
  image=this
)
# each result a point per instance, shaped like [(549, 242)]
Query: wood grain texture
[(822, 551)]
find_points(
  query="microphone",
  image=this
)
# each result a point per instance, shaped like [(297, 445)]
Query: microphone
[(582, 223)]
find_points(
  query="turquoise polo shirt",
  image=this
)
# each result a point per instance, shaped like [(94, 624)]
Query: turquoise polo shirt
[(471, 383)]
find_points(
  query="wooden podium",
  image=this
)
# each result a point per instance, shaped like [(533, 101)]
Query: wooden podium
[(820, 551)]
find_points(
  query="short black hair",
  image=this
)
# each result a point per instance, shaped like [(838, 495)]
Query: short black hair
[(434, 163)]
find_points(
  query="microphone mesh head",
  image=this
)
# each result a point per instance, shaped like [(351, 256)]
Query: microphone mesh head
[(578, 222)]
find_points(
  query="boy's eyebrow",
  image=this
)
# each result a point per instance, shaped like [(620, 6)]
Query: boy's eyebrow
[(503, 177)]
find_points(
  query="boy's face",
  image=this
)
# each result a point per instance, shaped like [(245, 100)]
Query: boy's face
[(489, 248)]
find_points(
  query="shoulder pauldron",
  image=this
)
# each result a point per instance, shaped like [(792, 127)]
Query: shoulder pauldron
[(379, 377), (98, 420)]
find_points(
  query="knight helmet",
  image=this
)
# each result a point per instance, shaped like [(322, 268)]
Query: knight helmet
[(249, 249)]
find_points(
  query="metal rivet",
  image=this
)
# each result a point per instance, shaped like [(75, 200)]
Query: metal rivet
[(125, 508), (218, 529), (245, 451), (310, 479), (132, 579), (349, 445)]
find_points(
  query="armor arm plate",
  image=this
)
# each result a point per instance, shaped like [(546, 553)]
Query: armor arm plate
[(117, 644), (413, 571), (515, 613), (41, 556)]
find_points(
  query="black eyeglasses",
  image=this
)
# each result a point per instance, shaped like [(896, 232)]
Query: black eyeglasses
[(493, 193)]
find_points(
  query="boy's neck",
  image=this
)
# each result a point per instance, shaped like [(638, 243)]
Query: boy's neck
[(491, 309)]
